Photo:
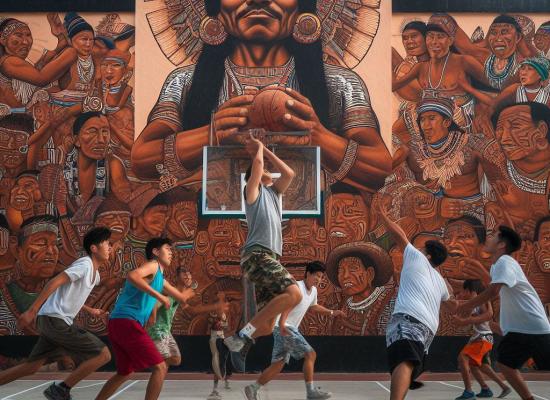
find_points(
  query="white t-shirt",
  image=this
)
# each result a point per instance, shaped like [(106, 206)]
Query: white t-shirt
[(421, 289), (297, 314), (68, 299), (521, 310)]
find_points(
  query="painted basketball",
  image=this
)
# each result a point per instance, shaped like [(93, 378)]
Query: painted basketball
[(268, 109)]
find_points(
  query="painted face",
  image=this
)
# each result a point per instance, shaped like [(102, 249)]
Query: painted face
[(112, 71), (542, 248), (259, 21), (347, 219), (434, 126), (25, 193), (517, 134), (182, 224), (38, 255), (93, 138), (414, 42), (117, 222), (461, 240), (438, 44), (226, 240), (528, 75), (186, 278), (164, 254), (83, 43), (542, 40), (154, 219), (353, 277), (503, 40), (13, 148), (18, 43)]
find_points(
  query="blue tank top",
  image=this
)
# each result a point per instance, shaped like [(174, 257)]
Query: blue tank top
[(135, 304)]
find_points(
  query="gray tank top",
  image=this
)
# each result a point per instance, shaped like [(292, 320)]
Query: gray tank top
[(263, 218)]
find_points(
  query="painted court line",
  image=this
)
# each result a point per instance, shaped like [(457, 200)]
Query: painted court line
[(382, 386), (122, 390), (87, 386), (26, 390), (539, 397), (448, 384)]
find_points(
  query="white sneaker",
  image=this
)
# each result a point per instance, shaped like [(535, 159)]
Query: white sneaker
[(318, 394), (227, 387), (251, 393)]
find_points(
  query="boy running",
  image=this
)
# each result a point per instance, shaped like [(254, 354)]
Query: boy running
[(474, 356), (54, 311), (133, 348)]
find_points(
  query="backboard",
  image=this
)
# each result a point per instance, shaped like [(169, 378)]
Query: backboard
[(223, 182)]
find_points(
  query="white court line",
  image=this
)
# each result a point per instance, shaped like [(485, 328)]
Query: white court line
[(382, 386), (26, 390), (87, 386), (448, 384), (539, 397), (122, 390)]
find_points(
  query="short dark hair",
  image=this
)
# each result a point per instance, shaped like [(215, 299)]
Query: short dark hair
[(473, 285), (475, 223), (94, 237), (417, 26), (155, 243), (182, 270), (510, 237), (539, 112), (315, 266), (507, 19), (538, 226), (437, 252)]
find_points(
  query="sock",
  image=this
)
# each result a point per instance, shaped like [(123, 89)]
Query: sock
[(256, 386), (310, 387), (247, 331), (64, 386)]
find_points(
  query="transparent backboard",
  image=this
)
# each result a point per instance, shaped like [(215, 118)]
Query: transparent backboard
[(223, 182)]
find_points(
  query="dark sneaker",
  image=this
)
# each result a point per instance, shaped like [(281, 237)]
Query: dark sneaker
[(57, 392), (466, 395), (415, 385), (485, 393)]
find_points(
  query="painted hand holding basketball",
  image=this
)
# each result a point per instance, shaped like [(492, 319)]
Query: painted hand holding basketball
[(301, 116), (231, 117)]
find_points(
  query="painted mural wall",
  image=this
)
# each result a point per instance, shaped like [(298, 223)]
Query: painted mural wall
[(104, 124)]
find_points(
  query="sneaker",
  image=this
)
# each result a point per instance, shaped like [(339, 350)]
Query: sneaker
[(227, 387), (485, 393), (234, 343), (318, 394), (415, 385), (57, 392), (505, 392), (466, 395), (214, 395), (251, 393)]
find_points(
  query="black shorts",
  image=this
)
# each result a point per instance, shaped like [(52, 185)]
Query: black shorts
[(516, 348), (407, 350)]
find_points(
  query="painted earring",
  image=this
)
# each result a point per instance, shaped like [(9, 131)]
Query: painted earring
[(307, 28), (212, 32)]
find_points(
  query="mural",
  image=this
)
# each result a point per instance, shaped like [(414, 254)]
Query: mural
[(470, 145), (471, 138)]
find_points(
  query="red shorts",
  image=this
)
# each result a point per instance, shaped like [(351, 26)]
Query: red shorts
[(133, 348), (476, 351)]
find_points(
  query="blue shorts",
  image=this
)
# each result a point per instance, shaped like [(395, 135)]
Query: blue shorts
[(294, 345)]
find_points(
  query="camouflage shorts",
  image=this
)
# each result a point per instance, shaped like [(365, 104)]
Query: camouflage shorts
[(270, 278)]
